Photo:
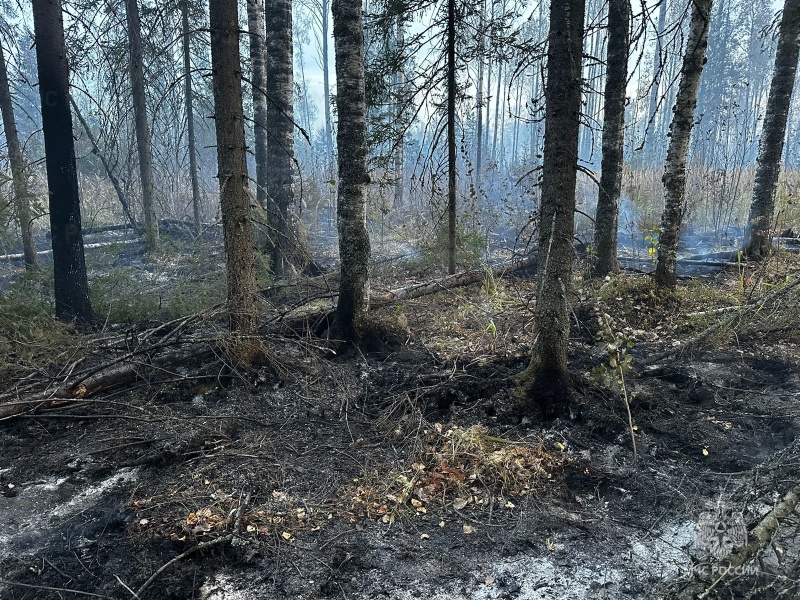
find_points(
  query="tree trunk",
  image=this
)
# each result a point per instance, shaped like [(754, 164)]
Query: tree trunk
[(325, 7), (605, 238), (547, 382), (19, 175), (258, 55), (762, 208), (70, 285), (497, 106), (479, 100), (657, 68), (400, 82), (451, 136), (680, 131), (142, 127), (351, 141), (280, 146), (232, 162), (112, 178), (188, 106)]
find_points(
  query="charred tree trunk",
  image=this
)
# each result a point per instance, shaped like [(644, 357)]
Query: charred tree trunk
[(762, 208), (451, 136), (280, 146), (258, 55), (546, 384), (143, 144), (680, 134), (606, 217), (111, 177), (188, 106), (351, 141), (70, 285), (232, 162), (19, 176)]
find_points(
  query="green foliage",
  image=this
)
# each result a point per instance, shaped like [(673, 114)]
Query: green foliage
[(470, 248), (182, 280)]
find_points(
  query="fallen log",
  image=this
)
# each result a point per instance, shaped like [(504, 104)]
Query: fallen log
[(300, 316), (110, 376)]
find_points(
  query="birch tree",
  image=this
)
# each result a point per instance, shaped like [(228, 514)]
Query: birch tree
[(762, 207), (680, 134)]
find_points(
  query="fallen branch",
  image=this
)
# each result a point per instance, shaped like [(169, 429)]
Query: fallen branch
[(745, 309), (201, 546), (107, 377)]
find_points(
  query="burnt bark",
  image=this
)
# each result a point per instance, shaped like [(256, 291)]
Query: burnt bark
[(143, 145), (19, 176), (70, 284), (258, 56), (680, 132), (189, 108), (232, 163), (546, 385), (280, 144), (607, 215), (758, 243), (351, 141), (451, 136)]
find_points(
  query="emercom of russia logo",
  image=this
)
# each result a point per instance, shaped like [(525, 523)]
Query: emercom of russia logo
[(721, 532)]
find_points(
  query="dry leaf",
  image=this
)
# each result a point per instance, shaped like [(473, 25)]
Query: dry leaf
[(468, 529), (460, 503)]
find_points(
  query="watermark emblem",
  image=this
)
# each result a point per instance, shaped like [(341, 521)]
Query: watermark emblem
[(721, 532)]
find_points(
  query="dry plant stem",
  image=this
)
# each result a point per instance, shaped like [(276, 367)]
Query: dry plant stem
[(201, 546), (627, 408), (55, 589)]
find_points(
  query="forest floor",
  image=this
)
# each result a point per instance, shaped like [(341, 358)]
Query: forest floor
[(404, 470)]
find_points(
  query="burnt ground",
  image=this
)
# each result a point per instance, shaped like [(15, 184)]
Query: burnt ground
[(403, 471)]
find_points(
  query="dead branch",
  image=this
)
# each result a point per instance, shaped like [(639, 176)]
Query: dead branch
[(410, 292), (745, 310), (111, 376)]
